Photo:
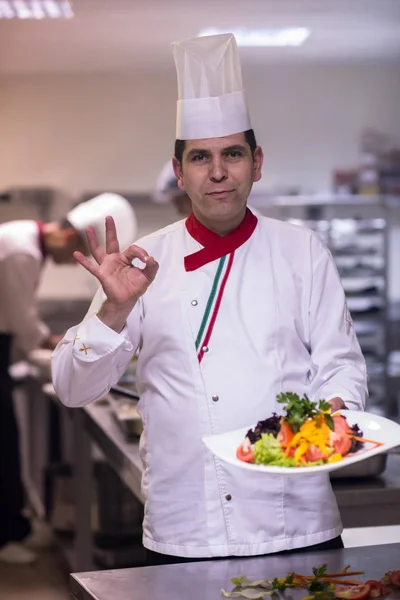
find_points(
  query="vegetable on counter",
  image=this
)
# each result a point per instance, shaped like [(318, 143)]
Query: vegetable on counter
[(306, 435), (321, 585)]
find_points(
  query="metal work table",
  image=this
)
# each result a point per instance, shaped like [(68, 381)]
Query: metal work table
[(122, 456), (204, 580)]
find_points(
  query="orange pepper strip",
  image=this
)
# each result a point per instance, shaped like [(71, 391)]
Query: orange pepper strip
[(368, 441), (342, 581), (360, 439), (344, 574), (330, 575)]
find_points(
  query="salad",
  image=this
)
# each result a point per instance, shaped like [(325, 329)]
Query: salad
[(321, 585), (306, 435)]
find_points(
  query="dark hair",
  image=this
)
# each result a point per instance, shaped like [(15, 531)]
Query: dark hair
[(65, 224), (249, 136)]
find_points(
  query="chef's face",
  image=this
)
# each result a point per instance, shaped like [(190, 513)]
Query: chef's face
[(217, 174), (69, 242)]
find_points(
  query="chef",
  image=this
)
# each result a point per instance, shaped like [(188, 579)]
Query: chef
[(228, 311), (167, 190), (24, 245)]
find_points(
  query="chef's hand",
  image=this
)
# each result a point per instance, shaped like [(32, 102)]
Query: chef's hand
[(337, 404), (122, 283)]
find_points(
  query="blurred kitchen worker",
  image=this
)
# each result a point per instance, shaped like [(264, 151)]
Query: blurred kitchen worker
[(167, 190), (228, 311), (24, 246)]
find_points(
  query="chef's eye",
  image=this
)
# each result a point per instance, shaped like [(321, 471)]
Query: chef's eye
[(198, 157), (235, 154)]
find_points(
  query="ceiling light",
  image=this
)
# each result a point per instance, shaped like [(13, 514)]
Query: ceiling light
[(35, 9), (288, 36)]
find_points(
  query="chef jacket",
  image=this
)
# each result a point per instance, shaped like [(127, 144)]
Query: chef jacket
[(217, 344), (21, 262)]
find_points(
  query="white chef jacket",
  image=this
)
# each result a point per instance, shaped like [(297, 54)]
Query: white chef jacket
[(21, 262), (283, 325)]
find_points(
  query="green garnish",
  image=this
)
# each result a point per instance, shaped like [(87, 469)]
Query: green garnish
[(298, 410), (280, 585), (316, 584), (320, 572), (258, 590)]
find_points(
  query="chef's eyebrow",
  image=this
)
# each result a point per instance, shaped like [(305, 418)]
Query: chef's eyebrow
[(235, 148)]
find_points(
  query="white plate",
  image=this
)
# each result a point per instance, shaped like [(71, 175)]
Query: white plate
[(374, 427)]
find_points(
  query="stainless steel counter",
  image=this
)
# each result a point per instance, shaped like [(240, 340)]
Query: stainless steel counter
[(362, 502), (123, 456), (204, 580)]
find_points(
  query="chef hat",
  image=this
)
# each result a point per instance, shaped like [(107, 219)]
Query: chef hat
[(167, 185), (211, 98), (93, 213)]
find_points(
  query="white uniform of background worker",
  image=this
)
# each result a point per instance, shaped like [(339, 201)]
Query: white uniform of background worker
[(24, 246), (228, 311)]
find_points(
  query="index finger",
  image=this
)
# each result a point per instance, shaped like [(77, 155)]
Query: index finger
[(135, 252), (87, 263), (97, 251)]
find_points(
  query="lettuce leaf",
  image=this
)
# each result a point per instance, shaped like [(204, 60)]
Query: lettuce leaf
[(267, 451), (251, 593), (244, 581)]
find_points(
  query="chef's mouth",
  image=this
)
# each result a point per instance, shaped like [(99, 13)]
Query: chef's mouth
[(219, 192)]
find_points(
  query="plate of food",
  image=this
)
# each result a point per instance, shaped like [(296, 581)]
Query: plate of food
[(306, 438)]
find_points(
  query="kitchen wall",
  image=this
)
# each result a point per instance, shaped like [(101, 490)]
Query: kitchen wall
[(84, 133), (115, 131)]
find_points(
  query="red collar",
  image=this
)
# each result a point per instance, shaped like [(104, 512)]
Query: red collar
[(216, 246), (40, 226)]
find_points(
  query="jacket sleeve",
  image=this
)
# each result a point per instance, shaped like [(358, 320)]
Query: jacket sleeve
[(20, 276), (338, 366), (92, 357)]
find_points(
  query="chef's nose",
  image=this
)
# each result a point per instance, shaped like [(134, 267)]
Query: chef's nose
[(218, 170)]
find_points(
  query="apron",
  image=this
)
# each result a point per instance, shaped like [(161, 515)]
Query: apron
[(13, 526)]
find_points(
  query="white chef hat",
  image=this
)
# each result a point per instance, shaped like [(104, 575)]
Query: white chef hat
[(93, 213), (211, 98), (167, 185)]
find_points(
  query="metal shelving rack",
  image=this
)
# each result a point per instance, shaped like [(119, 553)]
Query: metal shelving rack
[(356, 230)]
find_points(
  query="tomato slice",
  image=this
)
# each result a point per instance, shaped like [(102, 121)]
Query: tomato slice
[(378, 589), (341, 427), (342, 445), (352, 592), (285, 435), (245, 454), (313, 454), (291, 452), (394, 577)]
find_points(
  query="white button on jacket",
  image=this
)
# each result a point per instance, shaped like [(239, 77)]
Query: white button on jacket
[(283, 325)]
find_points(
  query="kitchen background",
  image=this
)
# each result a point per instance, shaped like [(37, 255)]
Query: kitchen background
[(87, 104)]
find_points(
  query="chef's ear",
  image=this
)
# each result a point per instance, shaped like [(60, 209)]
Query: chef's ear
[(258, 159), (177, 166)]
